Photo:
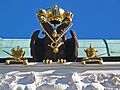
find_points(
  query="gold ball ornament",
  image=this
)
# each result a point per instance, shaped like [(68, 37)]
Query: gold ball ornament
[(43, 12), (54, 34), (49, 13), (55, 50), (61, 11)]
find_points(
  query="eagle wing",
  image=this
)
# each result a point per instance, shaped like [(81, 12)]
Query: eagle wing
[(71, 47), (37, 47)]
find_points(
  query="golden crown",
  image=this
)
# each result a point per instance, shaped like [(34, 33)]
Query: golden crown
[(55, 15)]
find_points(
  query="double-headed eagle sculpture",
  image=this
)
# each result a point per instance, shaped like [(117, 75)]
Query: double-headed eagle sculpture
[(54, 46)]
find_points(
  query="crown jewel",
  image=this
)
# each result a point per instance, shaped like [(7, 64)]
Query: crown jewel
[(55, 15)]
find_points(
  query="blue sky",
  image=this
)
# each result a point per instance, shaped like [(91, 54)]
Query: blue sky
[(96, 19)]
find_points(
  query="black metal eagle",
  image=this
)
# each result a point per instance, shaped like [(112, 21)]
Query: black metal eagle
[(49, 48)]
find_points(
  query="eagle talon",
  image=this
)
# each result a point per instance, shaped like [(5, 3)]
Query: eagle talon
[(47, 61), (61, 61)]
